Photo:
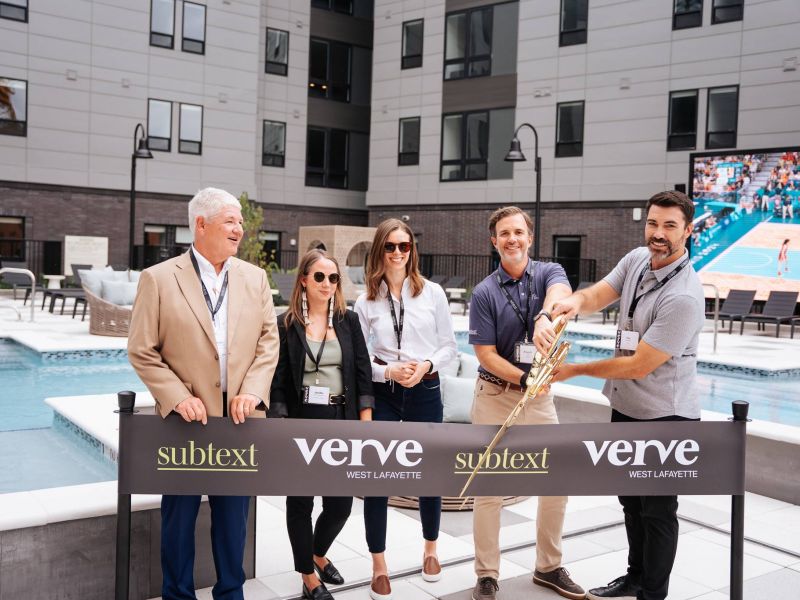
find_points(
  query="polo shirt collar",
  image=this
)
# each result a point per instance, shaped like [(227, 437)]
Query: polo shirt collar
[(206, 268), (505, 277), (661, 273)]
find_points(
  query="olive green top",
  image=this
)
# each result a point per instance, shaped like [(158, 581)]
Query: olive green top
[(330, 367)]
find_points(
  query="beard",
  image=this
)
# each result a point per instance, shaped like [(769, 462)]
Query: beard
[(660, 252)]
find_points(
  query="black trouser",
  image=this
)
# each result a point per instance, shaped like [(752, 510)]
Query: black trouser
[(651, 523), (306, 540)]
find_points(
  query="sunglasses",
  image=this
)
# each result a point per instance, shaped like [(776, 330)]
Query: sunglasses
[(402, 246), (319, 277)]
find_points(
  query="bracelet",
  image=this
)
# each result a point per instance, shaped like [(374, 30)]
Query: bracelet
[(430, 362), (523, 380)]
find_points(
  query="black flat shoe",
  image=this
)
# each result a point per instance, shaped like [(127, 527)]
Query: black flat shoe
[(318, 593), (329, 574)]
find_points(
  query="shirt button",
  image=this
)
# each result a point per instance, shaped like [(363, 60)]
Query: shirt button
[(216, 384)]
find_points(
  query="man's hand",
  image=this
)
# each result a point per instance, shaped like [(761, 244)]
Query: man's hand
[(543, 335), (416, 375), (570, 306), (242, 406), (565, 371), (192, 409)]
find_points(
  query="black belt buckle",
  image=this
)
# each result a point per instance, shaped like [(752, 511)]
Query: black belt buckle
[(336, 400)]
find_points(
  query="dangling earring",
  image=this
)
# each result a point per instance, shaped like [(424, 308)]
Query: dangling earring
[(305, 309), (330, 313)]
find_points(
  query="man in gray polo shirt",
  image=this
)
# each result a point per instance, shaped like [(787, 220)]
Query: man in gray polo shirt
[(652, 375)]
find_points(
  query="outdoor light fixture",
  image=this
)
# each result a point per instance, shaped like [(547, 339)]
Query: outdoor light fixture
[(141, 149), (515, 155)]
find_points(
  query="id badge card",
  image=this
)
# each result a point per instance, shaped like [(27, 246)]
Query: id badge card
[(524, 352), (316, 394), (627, 340)]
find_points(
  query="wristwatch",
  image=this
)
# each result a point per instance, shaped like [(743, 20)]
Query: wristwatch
[(543, 313)]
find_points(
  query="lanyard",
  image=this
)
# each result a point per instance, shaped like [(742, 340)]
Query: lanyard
[(657, 286), (214, 310), (517, 311), (398, 328), (310, 355)]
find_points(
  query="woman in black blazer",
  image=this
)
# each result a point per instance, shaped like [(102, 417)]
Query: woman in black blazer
[(323, 372)]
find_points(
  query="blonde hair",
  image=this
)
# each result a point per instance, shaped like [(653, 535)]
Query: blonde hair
[(376, 268), (295, 310)]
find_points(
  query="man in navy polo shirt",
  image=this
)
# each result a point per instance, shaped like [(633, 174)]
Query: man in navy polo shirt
[(509, 318)]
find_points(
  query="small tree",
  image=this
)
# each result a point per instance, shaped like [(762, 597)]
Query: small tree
[(251, 247)]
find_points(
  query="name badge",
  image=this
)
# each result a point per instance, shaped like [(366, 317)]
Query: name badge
[(524, 352), (627, 340), (316, 394)]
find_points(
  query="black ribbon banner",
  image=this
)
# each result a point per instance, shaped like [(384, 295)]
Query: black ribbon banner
[(349, 458)]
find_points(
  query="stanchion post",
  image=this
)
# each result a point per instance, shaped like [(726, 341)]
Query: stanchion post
[(739, 408), (126, 401)]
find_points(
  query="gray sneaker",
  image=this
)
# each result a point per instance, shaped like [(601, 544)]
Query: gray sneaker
[(485, 589), (560, 582)]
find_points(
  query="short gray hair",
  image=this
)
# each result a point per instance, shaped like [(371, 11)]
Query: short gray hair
[(208, 203)]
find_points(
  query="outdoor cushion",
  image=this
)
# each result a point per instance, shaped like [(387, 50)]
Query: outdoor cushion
[(93, 278), (117, 275), (469, 365), (134, 276), (457, 394), (120, 293), (450, 368)]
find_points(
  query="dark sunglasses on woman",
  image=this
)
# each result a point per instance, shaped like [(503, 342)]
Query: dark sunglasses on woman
[(319, 277), (402, 246)]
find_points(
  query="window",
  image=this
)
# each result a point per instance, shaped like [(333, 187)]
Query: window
[(465, 146), (12, 234), (408, 147), (159, 125), (468, 44), (162, 23), (15, 10), (190, 129), (412, 44), (277, 61), (13, 107), (574, 18), (329, 70), (687, 13), (340, 6), (721, 118), (194, 28), (569, 129), (682, 128), (273, 144), (326, 158), (725, 11)]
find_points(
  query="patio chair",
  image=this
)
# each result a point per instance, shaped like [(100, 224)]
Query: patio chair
[(106, 318), (454, 288), (778, 309), (438, 279), (734, 307), (611, 310), (19, 281)]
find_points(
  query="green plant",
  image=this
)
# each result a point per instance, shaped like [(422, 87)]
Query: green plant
[(251, 247)]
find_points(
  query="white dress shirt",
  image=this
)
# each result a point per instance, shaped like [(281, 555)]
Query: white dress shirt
[(213, 283), (427, 327)]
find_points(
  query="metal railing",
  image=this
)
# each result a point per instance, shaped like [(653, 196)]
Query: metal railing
[(716, 312), (33, 285)]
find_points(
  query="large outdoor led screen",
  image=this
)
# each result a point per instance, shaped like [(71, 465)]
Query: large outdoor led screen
[(746, 231)]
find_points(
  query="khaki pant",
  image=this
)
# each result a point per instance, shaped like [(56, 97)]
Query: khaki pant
[(490, 406)]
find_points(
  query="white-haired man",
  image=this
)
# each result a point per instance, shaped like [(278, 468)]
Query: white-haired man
[(203, 338)]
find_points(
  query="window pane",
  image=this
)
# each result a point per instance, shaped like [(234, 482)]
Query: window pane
[(476, 171), (191, 128), (480, 34), (480, 67), (315, 151), (570, 122), (194, 21), (159, 121), (451, 137), (338, 151), (409, 135), (574, 14), (22, 3), (684, 6), (318, 61), (274, 137), (339, 83), (477, 136), (454, 71), (456, 36), (412, 38), (277, 46), (162, 18), (13, 99), (722, 109), (451, 172), (683, 113)]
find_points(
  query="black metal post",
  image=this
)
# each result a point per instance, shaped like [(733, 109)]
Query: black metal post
[(740, 409), (131, 261), (126, 401), (515, 155)]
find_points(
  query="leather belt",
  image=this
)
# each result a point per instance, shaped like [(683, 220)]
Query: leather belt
[(501, 382), (426, 377), (336, 400)]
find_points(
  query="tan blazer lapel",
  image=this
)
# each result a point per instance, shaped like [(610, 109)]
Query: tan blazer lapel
[(189, 283), (236, 290)]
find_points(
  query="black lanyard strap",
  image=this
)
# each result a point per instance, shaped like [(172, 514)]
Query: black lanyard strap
[(212, 309), (310, 355), (517, 311), (657, 286), (398, 326)]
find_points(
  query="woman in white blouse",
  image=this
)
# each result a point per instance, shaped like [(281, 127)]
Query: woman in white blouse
[(406, 319)]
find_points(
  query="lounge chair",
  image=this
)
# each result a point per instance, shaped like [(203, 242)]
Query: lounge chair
[(778, 309), (106, 318), (738, 304), (611, 310), (440, 279), (454, 288), (19, 281)]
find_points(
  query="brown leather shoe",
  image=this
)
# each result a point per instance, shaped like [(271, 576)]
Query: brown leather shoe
[(380, 589), (560, 582), (431, 569)]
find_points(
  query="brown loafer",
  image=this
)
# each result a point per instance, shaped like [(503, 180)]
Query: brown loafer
[(380, 588), (431, 569)]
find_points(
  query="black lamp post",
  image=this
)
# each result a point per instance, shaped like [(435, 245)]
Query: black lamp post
[(515, 155), (140, 150)]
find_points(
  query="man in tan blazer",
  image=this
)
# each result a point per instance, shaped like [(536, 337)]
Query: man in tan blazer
[(203, 338)]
